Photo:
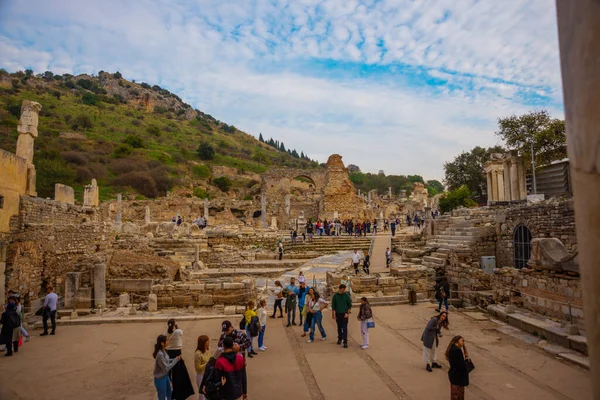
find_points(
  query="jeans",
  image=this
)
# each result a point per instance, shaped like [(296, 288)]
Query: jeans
[(342, 327), (261, 336), (52, 316), (300, 307), (278, 304), (199, 382), (445, 301), (292, 313), (317, 319), (163, 387), (307, 322), (364, 331), (250, 349)]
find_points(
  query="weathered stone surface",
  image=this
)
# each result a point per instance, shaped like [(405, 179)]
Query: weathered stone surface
[(550, 254), (131, 285), (233, 285), (204, 300), (152, 302), (91, 195), (64, 194), (230, 310), (213, 286), (124, 299), (129, 227), (182, 301)]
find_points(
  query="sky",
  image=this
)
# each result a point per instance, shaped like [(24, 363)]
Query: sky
[(395, 85)]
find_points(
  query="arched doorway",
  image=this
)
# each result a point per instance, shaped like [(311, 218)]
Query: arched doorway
[(522, 246)]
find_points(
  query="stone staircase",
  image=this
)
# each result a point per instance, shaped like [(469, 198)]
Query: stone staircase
[(322, 245), (182, 251)]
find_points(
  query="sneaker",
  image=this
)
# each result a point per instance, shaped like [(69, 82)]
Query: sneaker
[(265, 347), (437, 310), (281, 316), (261, 349), (309, 341), (293, 323), (428, 368), (339, 342), (253, 353), (288, 325), (271, 316), (52, 333), (44, 334), (251, 356), (345, 345), (323, 338), (364, 346), (436, 365), (27, 338)]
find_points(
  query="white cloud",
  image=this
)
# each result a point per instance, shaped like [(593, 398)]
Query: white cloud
[(252, 64)]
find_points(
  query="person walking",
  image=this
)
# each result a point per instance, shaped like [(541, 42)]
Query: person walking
[(366, 264), (182, 385), (302, 292), (458, 357), (201, 358), (49, 311), (341, 304), (393, 227), (291, 301), (364, 315), (278, 293), (262, 319), (355, 261), (230, 369), (305, 311), (249, 315), (163, 364), (11, 331), (430, 339), (442, 293), (240, 339), (315, 308), (388, 257)]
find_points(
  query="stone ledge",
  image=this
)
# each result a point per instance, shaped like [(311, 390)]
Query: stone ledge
[(130, 320)]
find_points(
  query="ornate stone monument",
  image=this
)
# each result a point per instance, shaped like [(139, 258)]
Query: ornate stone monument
[(91, 195), (28, 132), (505, 178)]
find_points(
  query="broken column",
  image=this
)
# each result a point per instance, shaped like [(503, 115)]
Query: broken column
[(91, 195), (287, 204), (273, 222), (390, 192), (263, 210), (72, 282), (100, 285), (206, 211), (578, 31), (152, 302), (118, 218), (147, 215), (28, 132), (64, 193), (124, 299)]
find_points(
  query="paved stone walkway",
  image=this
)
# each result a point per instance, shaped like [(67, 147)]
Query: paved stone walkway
[(114, 362), (378, 262)]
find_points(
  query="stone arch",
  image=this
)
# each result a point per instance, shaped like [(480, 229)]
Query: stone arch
[(521, 245)]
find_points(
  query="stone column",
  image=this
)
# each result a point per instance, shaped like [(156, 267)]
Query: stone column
[(100, 285), (494, 190), (488, 175), (506, 179), (500, 180), (578, 34), (147, 215), (118, 219), (206, 211), (390, 192), (515, 190), (72, 283), (263, 210), (359, 192), (522, 181), (287, 204)]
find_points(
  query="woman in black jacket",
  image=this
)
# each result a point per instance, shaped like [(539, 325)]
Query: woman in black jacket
[(457, 355)]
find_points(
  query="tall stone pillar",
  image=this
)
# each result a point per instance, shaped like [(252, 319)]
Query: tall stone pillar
[(72, 282), (100, 285), (489, 187), (147, 215), (28, 132), (287, 204), (506, 180), (522, 181), (90, 195), (118, 219), (515, 190), (494, 190), (500, 182), (578, 34), (390, 192), (263, 210), (206, 211)]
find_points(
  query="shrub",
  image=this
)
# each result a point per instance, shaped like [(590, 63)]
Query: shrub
[(90, 99), (75, 157), (124, 165), (82, 121), (83, 175), (223, 183), (117, 75), (134, 141), (153, 130), (141, 181), (456, 198), (164, 183), (51, 171), (205, 152), (122, 150), (201, 171), (201, 193)]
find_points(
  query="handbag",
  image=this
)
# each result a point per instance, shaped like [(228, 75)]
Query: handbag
[(370, 324), (40, 311), (469, 364)]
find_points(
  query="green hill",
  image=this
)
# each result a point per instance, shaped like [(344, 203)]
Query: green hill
[(132, 137)]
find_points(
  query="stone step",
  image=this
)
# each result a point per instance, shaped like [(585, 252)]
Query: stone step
[(444, 251), (443, 256), (434, 260)]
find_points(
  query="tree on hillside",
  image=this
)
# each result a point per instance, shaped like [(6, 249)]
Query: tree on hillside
[(547, 135), (205, 151), (281, 146), (460, 197), (434, 187), (353, 168), (467, 169), (260, 138), (416, 178)]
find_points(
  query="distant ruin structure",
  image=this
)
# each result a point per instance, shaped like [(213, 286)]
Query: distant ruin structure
[(505, 178)]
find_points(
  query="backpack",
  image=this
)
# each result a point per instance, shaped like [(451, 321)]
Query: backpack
[(254, 326), (211, 384), (243, 323), (13, 320)]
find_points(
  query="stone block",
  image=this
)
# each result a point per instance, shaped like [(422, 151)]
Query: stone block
[(182, 301), (132, 311), (90, 195), (204, 300), (165, 301), (196, 286), (130, 285), (124, 299), (84, 298), (386, 280), (219, 308), (64, 194), (230, 310), (131, 228), (233, 285), (152, 302), (74, 315), (213, 286), (240, 309)]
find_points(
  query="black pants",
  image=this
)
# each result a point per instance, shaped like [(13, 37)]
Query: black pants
[(52, 316), (10, 345), (280, 255), (278, 304), (366, 268), (394, 231), (342, 327), (180, 379), (356, 268)]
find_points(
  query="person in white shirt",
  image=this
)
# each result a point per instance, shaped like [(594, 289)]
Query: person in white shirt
[(182, 384), (50, 305), (301, 277), (262, 319), (355, 261)]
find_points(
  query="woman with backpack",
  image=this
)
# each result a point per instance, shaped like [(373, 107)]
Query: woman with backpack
[(11, 328), (278, 293), (163, 365), (430, 339), (201, 357), (210, 387), (251, 320), (182, 385), (460, 366)]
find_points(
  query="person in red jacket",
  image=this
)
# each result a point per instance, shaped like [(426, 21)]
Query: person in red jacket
[(231, 371)]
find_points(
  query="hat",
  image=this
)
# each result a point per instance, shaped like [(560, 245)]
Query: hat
[(225, 325), (218, 352)]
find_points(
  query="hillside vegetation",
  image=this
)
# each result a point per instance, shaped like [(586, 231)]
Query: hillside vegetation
[(132, 137)]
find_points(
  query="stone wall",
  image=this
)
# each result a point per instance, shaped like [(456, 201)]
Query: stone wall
[(554, 295), (552, 218), (36, 211), (64, 193), (209, 293), (12, 185)]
